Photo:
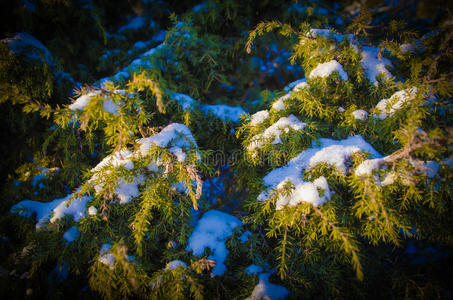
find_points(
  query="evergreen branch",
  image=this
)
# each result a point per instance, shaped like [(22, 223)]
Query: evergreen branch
[(254, 83), (348, 246)]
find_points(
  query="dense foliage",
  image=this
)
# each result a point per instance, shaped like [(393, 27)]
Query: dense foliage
[(226, 149)]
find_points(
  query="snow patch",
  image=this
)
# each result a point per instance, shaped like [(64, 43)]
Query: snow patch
[(373, 65), (330, 151), (266, 290), (253, 270), (83, 100), (367, 166), (360, 114), (245, 237), (325, 69), (211, 232), (275, 130), (71, 235), (92, 211), (26, 44), (52, 211), (175, 264), (107, 259), (174, 134), (259, 117), (134, 24), (225, 112), (389, 106), (186, 102)]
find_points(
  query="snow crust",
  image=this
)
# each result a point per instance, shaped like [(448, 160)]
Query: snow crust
[(107, 259), (326, 69), (374, 66), (408, 47), (367, 166), (175, 264), (186, 102), (266, 290), (92, 211), (334, 152), (259, 117), (296, 85), (225, 112), (291, 88), (280, 104), (253, 270), (388, 107), (110, 107), (245, 236), (175, 134), (211, 232), (83, 100), (52, 211), (25, 44), (134, 24), (360, 114), (275, 131), (72, 234)]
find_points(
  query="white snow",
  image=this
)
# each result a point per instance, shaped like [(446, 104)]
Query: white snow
[(301, 85), (92, 211), (126, 191), (26, 44), (259, 117), (253, 270), (225, 112), (280, 104), (179, 153), (432, 168), (140, 45), (360, 114), (374, 66), (304, 192), (51, 211), (325, 69), (117, 159), (110, 107), (448, 162), (296, 85), (185, 101), (175, 134), (134, 24), (107, 258), (407, 48), (329, 151), (389, 106), (367, 166), (245, 236), (266, 290), (83, 100), (175, 264), (274, 131), (211, 232), (76, 208), (389, 179), (72, 234)]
